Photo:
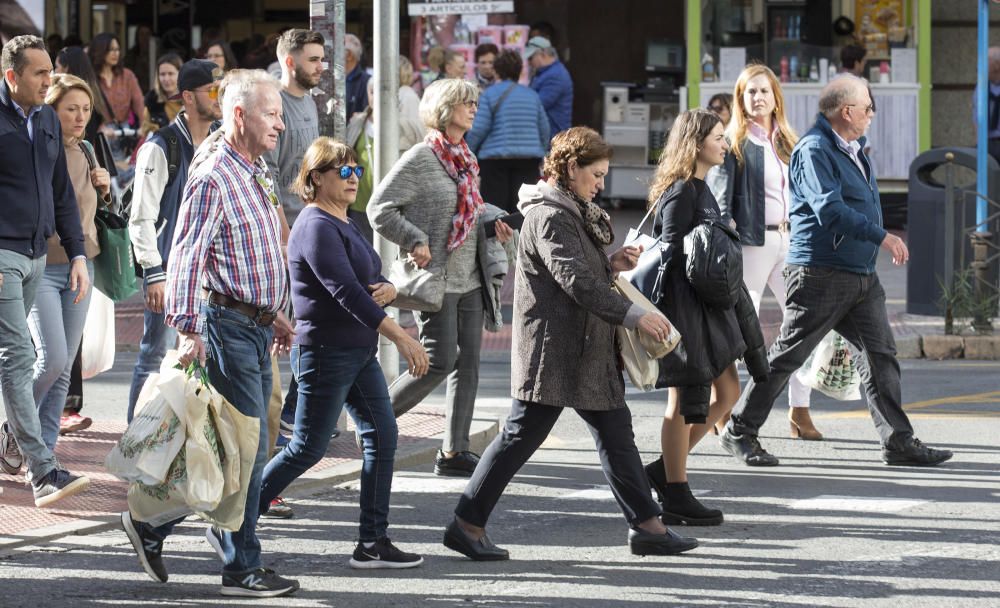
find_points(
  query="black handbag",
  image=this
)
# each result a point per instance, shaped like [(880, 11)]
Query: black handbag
[(714, 264), (648, 274)]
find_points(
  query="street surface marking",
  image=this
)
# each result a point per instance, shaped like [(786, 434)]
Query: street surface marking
[(604, 493), (980, 398), (829, 502)]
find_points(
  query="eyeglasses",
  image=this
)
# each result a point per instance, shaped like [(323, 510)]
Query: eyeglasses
[(869, 109), (472, 105), (716, 108), (345, 171), (212, 92)]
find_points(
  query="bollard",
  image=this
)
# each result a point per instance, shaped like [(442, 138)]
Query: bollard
[(981, 322), (949, 238)]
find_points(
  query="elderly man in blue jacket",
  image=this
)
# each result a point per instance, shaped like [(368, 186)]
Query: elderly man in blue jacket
[(551, 80), (38, 201), (831, 280)]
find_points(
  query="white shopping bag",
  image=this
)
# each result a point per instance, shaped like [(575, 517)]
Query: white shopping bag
[(97, 353)]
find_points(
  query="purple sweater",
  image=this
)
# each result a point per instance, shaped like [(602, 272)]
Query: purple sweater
[(330, 266)]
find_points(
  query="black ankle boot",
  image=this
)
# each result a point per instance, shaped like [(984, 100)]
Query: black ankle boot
[(681, 507), (657, 478)]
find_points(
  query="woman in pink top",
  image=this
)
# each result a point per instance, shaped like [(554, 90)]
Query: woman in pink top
[(758, 199), (118, 83)]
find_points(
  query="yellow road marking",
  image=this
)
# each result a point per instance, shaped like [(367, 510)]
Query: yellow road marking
[(987, 397)]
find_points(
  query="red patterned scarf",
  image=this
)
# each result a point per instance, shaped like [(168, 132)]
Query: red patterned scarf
[(460, 163)]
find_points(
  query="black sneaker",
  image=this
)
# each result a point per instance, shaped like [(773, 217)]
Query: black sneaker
[(214, 537), (383, 554), (148, 547), (262, 582), (462, 464), (747, 449), (10, 456), (914, 453), (58, 484)]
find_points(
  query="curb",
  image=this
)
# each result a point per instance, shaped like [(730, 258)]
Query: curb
[(414, 454)]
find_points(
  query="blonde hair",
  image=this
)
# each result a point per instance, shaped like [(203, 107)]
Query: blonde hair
[(324, 154), (440, 99), (64, 83), (405, 72), (739, 124), (680, 156)]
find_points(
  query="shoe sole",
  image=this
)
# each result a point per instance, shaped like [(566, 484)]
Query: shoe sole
[(379, 564), (140, 552), (72, 489), (270, 515), (213, 541), (456, 546), (674, 519), (8, 469), (653, 549), (441, 472), (79, 426), (241, 592)]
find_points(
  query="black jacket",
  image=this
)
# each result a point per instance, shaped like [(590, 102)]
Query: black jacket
[(755, 356), (744, 199), (712, 338), (34, 184)]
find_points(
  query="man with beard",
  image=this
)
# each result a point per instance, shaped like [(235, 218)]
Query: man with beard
[(300, 53), (161, 170)]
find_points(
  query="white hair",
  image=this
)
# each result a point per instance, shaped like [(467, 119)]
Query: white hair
[(841, 90), (353, 44), (441, 97), (242, 88)]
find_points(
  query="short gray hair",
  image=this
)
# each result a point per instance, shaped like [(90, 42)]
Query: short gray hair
[(353, 44), (440, 99), (839, 93), (13, 52), (242, 88)]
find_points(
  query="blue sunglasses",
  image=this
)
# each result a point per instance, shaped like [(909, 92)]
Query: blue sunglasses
[(346, 170)]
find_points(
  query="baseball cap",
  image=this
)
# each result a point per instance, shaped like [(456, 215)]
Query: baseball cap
[(535, 44), (197, 73)]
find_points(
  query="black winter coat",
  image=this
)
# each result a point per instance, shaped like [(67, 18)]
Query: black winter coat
[(711, 337), (755, 356)]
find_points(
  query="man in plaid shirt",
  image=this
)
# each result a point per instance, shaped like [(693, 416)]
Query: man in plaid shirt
[(226, 287)]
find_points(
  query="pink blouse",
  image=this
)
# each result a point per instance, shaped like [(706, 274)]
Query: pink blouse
[(124, 96)]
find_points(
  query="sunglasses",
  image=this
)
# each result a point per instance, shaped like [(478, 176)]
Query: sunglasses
[(869, 109), (346, 171), (212, 92)]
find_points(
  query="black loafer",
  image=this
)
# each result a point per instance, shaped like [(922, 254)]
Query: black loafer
[(646, 543), (482, 550), (461, 464), (914, 453)]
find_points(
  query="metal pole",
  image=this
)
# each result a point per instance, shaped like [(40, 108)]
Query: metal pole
[(386, 116), (328, 17), (982, 112), (949, 239)]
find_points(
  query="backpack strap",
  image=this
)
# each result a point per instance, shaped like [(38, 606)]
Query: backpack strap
[(173, 155)]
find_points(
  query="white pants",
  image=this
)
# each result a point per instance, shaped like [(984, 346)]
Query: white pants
[(762, 267)]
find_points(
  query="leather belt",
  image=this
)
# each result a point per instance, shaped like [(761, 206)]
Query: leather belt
[(259, 316), (783, 227)]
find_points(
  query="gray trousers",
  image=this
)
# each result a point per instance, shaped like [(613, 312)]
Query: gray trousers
[(452, 337), (853, 305), (21, 278)]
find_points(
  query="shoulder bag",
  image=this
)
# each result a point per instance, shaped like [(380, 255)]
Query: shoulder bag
[(416, 288), (114, 269)]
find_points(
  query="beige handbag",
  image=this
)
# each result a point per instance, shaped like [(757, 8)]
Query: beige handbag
[(657, 349), (416, 288), (639, 351)]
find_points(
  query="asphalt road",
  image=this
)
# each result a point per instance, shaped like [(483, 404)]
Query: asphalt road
[(831, 526)]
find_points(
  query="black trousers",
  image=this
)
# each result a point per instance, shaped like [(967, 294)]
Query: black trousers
[(527, 427), (501, 178)]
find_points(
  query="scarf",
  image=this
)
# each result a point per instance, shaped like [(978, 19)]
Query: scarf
[(596, 221), (460, 164)]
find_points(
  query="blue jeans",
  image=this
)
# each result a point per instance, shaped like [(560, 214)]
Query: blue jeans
[(327, 377), (239, 367), (56, 326), (157, 338), (21, 277)]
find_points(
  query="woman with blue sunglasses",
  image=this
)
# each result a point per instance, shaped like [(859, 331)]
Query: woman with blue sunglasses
[(338, 293)]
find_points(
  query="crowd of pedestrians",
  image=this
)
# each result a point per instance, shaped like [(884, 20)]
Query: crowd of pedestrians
[(253, 238)]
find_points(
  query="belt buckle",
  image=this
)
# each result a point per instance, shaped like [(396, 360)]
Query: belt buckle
[(784, 227), (260, 315)]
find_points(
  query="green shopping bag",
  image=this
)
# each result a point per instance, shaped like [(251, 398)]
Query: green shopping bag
[(114, 272)]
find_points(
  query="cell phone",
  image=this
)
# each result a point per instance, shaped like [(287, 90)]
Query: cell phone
[(514, 220)]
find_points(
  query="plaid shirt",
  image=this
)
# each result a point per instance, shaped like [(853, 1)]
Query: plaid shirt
[(228, 240)]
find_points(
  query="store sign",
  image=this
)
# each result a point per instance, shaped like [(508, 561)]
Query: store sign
[(426, 8)]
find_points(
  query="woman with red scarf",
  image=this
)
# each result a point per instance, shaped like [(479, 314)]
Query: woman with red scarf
[(429, 205)]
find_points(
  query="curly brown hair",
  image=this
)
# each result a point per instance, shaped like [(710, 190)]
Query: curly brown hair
[(581, 144)]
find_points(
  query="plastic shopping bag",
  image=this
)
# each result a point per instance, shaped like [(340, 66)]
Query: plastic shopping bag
[(830, 369), (156, 434), (97, 351)]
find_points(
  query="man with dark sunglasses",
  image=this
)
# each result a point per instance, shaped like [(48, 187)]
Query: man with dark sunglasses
[(161, 169)]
